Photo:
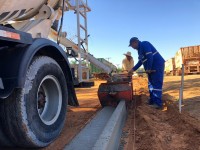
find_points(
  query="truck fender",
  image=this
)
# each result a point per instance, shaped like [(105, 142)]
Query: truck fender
[(16, 60)]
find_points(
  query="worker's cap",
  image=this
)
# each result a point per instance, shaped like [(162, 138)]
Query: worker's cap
[(128, 54), (132, 40)]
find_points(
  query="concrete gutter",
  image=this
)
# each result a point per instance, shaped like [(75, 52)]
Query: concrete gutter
[(88, 136), (103, 132), (110, 137)]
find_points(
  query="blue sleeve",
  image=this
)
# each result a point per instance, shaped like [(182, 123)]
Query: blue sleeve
[(139, 63), (149, 55)]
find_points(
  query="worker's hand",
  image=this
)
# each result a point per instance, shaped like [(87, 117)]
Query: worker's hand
[(130, 72)]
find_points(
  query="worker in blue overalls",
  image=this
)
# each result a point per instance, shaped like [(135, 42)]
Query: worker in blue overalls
[(153, 64)]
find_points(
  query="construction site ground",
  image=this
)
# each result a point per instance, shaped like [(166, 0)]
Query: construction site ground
[(165, 129), (154, 129)]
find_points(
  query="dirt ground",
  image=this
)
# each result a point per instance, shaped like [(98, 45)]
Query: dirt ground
[(191, 94), (150, 129), (146, 128), (154, 129)]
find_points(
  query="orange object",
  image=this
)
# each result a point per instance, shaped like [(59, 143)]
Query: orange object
[(111, 93)]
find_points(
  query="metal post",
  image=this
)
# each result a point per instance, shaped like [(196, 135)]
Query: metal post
[(182, 82), (180, 104), (181, 89)]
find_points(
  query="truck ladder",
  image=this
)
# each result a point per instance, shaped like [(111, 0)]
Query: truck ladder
[(81, 8), (82, 12)]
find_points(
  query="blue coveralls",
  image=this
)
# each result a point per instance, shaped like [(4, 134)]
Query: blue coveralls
[(152, 60)]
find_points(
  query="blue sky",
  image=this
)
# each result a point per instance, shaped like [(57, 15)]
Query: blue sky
[(167, 24)]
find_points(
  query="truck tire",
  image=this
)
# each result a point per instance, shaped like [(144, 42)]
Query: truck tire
[(35, 115)]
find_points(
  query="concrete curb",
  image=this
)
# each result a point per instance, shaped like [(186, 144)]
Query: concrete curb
[(88, 136), (110, 137)]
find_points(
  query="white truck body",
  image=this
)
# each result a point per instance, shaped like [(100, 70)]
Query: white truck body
[(14, 9)]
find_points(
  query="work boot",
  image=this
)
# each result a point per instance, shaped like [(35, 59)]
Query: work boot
[(150, 102)]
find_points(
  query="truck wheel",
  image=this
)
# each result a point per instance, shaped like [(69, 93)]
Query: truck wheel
[(35, 115)]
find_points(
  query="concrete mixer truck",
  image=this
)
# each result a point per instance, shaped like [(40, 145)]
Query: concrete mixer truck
[(36, 82)]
